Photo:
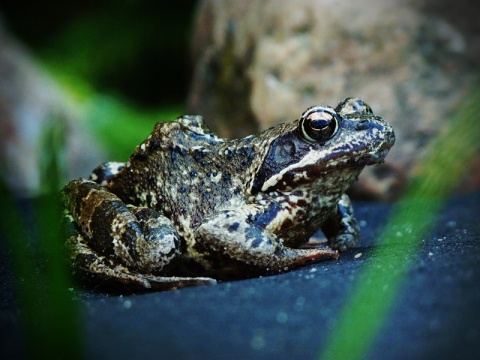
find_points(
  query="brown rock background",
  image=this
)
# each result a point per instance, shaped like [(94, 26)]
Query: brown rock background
[(259, 63)]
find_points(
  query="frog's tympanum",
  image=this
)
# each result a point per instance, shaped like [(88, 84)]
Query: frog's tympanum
[(190, 208)]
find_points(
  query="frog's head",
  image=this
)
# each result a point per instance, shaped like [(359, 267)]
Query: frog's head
[(324, 143)]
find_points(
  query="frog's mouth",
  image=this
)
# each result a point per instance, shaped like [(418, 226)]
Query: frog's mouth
[(309, 173), (374, 158), (351, 161), (317, 163), (372, 154)]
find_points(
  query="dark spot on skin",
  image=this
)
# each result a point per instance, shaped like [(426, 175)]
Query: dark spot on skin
[(287, 223), (105, 172), (179, 150), (301, 203), (151, 179), (233, 227), (266, 217), (154, 144), (298, 193), (257, 242), (198, 136), (149, 199), (241, 157), (172, 251), (229, 154), (367, 125), (246, 152), (140, 154), (143, 214), (245, 162), (226, 177), (198, 154), (255, 234)]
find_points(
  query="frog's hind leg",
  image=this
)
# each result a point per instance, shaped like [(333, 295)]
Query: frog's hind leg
[(99, 270), (245, 248), (117, 243)]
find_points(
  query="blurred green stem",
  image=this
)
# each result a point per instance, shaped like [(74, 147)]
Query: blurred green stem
[(49, 315), (449, 157)]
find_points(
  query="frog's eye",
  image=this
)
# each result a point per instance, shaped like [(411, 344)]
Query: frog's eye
[(354, 106), (318, 124)]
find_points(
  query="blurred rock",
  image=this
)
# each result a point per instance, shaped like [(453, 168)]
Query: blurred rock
[(30, 101), (259, 63)]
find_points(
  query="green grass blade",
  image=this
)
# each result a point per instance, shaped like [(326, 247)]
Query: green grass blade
[(378, 285), (49, 316)]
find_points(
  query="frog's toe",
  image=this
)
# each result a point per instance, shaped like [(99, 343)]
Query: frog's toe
[(343, 242), (175, 282), (96, 271), (99, 271)]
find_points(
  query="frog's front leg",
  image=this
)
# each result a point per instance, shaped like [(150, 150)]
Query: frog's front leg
[(239, 239), (104, 173), (341, 227), (116, 244)]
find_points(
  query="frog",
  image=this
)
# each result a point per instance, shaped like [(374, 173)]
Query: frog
[(192, 208)]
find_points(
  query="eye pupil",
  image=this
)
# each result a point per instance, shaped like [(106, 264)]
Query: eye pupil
[(318, 124)]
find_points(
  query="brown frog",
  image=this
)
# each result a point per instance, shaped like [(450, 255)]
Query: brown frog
[(190, 207)]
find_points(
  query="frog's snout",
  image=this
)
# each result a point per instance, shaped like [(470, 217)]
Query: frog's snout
[(362, 125)]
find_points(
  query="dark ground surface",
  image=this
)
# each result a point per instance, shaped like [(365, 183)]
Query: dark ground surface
[(289, 316)]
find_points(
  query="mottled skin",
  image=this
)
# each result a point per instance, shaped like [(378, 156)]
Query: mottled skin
[(188, 204)]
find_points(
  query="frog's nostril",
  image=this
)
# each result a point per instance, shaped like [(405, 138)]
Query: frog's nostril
[(362, 124)]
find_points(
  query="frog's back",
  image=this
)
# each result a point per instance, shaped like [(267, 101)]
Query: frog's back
[(179, 170)]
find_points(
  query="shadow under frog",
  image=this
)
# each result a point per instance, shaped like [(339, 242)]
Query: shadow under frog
[(189, 208)]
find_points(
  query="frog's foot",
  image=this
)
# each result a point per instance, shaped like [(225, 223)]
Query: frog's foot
[(250, 249), (341, 228), (98, 270), (343, 242), (104, 173)]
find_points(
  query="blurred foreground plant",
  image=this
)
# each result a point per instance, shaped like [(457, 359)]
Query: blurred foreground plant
[(49, 316), (376, 290)]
